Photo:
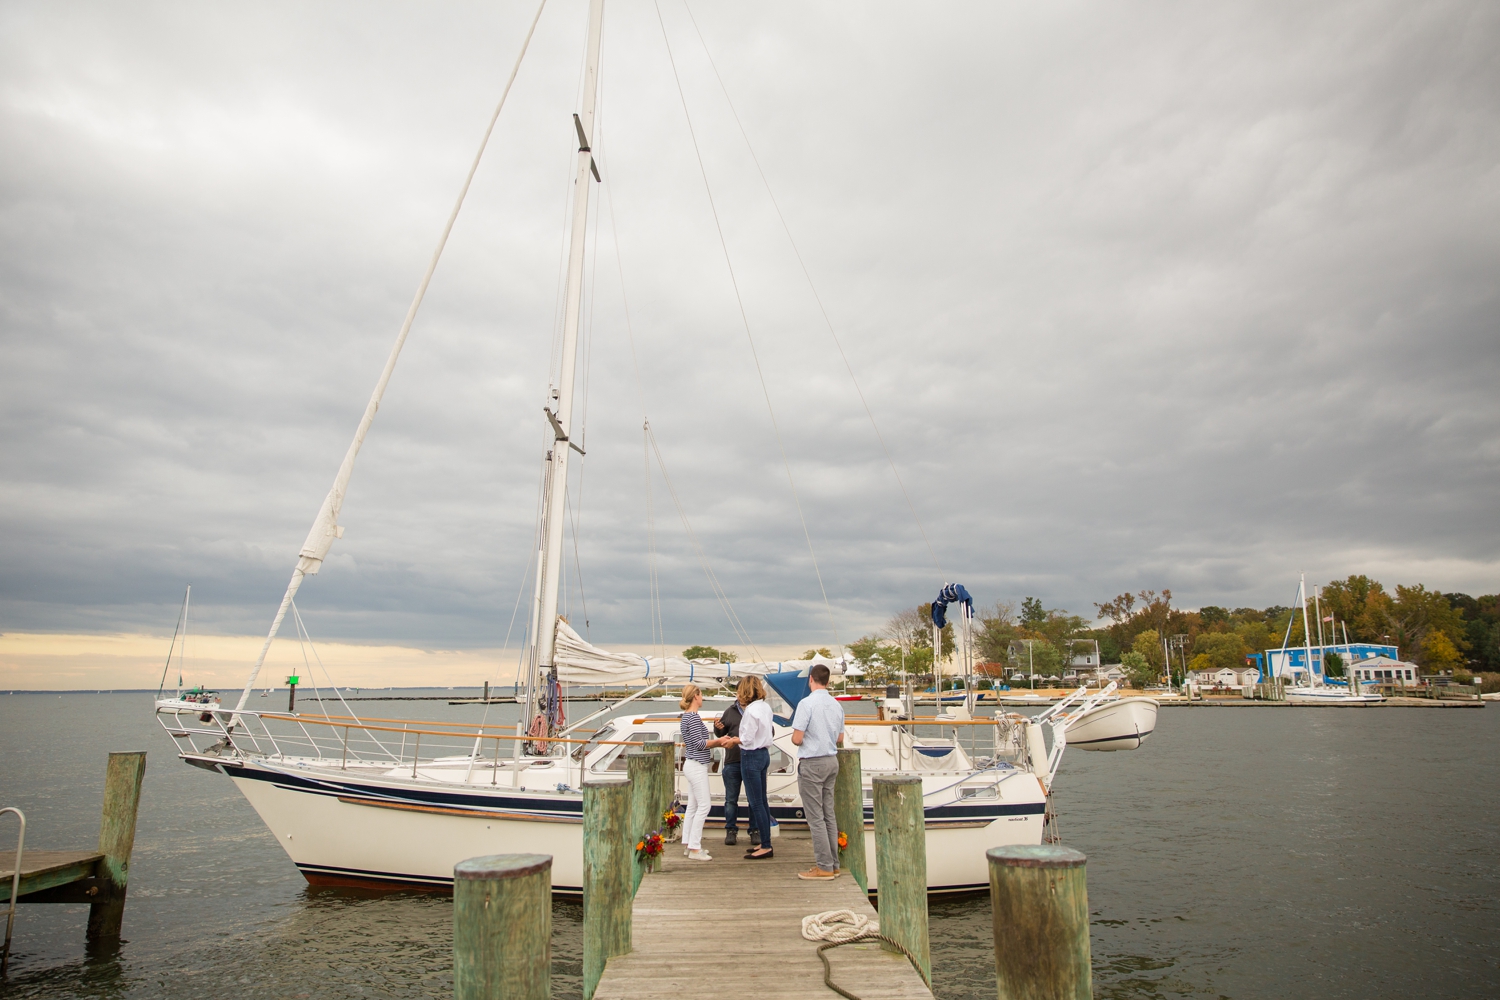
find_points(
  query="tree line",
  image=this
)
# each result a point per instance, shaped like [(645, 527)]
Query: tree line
[(1437, 631)]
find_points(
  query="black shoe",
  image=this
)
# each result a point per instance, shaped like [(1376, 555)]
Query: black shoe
[(732, 835), (752, 856)]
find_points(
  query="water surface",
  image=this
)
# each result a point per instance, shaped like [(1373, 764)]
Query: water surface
[(1244, 853)]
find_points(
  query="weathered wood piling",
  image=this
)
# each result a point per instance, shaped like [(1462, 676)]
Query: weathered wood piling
[(668, 776), (1040, 907), (608, 889), (97, 877), (502, 927), (849, 811), (122, 799), (901, 864), (644, 769)]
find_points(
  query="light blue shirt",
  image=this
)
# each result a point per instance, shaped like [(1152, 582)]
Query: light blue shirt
[(821, 719)]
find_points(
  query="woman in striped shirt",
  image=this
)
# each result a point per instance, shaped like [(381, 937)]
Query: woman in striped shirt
[(695, 760)]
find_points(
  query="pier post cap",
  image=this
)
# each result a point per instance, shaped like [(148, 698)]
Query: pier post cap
[(896, 779), (501, 866), (1036, 856), (603, 782)]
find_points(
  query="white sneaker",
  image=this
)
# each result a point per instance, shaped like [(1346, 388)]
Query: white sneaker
[(699, 856)]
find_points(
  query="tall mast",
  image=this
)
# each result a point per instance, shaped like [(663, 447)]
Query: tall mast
[(1312, 677), (560, 415)]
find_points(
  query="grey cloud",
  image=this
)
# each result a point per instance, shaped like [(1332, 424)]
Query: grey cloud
[(1168, 295)]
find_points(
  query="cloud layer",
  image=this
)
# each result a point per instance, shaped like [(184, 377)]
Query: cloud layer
[(1141, 296)]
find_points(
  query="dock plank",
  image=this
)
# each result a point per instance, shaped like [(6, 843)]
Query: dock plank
[(729, 924), (46, 869)]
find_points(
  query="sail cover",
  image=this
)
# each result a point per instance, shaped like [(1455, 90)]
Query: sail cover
[(579, 662)]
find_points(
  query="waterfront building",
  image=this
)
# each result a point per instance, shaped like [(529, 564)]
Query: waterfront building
[(1292, 664)]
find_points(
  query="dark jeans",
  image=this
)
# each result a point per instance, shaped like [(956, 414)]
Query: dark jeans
[(732, 798), (753, 767)]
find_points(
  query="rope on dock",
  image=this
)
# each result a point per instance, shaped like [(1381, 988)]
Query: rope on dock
[(828, 972), (837, 928)]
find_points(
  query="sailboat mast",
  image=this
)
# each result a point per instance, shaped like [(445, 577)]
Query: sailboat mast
[(560, 414), (182, 656), (1312, 676)]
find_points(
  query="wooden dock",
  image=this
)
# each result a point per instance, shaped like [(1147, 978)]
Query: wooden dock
[(53, 876), (702, 927)]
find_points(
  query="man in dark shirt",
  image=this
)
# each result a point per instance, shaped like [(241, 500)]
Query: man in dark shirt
[(728, 724)]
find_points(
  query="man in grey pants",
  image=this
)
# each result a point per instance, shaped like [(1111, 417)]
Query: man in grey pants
[(818, 731)]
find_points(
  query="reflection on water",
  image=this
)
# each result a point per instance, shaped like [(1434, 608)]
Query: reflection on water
[(1241, 853)]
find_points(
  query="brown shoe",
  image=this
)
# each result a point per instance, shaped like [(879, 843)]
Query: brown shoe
[(816, 873)]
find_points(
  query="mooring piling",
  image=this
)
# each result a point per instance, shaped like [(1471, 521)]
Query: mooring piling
[(668, 776), (849, 811), (645, 784), (1040, 906), (901, 864), (122, 800), (608, 860), (502, 927)]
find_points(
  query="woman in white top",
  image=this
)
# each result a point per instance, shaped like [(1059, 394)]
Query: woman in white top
[(695, 760), (755, 759)]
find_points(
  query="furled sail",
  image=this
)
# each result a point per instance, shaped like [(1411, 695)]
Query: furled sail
[(579, 662)]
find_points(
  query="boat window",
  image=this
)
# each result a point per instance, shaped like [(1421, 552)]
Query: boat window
[(781, 763), (615, 760)]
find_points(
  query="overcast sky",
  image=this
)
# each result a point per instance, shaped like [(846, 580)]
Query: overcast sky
[(1198, 296)]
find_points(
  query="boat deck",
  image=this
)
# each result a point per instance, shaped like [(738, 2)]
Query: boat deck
[(699, 926)]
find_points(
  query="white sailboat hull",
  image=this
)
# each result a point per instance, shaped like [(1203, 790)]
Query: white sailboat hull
[(1329, 696), (374, 832), (1115, 725)]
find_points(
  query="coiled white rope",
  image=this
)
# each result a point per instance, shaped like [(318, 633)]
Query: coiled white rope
[(838, 926)]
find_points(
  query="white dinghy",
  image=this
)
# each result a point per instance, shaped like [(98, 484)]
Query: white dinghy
[(1113, 725)]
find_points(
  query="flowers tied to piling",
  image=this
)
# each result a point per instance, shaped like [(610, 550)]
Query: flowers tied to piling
[(843, 841), (671, 819), (649, 847)]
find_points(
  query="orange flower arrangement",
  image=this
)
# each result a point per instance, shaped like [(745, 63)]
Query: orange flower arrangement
[(649, 848), (843, 841)]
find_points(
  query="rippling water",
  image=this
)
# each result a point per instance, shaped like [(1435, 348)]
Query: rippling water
[(1241, 853)]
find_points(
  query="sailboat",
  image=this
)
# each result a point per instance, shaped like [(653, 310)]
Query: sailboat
[(1315, 690), (360, 800)]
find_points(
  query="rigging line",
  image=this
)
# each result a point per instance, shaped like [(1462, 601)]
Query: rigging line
[(168, 665), (520, 591), (302, 627), (745, 319), (653, 581), (741, 633), (327, 517), (577, 563), (797, 252), (658, 634)]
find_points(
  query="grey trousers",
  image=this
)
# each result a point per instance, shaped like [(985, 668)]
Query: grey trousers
[(815, 778)]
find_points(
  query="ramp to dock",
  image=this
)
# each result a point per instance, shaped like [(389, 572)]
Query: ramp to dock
[(730, 926)]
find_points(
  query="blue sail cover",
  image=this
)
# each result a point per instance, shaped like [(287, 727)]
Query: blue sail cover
[(950, 594), (791, 685)]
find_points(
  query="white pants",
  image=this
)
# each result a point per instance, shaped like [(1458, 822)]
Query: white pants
[(697, 804)]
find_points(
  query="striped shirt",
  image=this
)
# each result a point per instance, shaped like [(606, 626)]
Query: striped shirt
[(694, 738)]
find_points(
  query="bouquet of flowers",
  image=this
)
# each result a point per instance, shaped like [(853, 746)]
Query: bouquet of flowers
[(648, 849), (670, 821), (843, 841)]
